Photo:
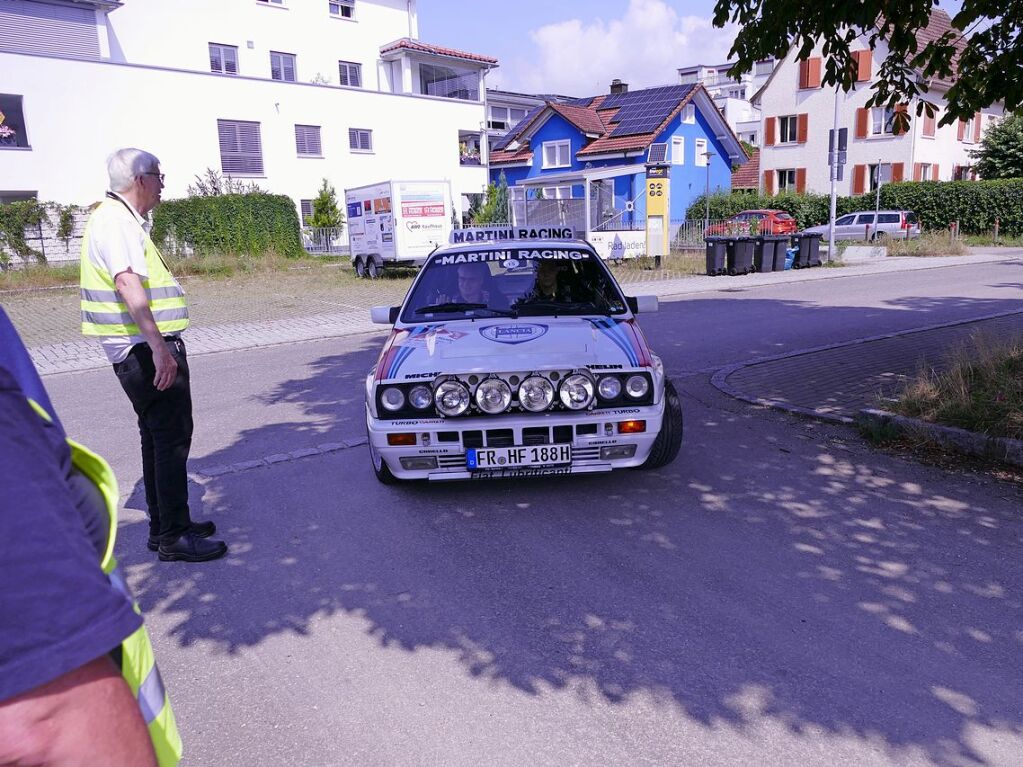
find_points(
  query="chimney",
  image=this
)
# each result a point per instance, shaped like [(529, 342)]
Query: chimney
[(617, 86)]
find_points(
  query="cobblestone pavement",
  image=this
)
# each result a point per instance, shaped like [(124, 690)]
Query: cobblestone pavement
[(836, 382), (306, 304)]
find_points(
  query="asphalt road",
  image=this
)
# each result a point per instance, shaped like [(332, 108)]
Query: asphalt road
[(782, 594)]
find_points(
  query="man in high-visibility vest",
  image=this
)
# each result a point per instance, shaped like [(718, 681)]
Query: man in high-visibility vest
[(132, 302), (78, 680)]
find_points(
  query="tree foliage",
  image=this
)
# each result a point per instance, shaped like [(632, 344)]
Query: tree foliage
[(212, 184), (989, 48), (1001, 150), (494, 209), (325, 210)]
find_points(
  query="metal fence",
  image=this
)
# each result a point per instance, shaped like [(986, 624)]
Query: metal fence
[(325, 241)]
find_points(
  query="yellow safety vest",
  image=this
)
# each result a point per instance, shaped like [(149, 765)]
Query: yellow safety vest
[(104, 312), (138, 665)]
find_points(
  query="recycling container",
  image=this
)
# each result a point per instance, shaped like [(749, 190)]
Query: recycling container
[(717, 248)]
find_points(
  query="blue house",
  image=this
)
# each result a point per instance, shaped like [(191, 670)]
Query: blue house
[(590, 156)]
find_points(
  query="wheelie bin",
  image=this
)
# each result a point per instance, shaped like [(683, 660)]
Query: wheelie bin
[(812, 243), (801, 242), (717, 248), (739, 255)]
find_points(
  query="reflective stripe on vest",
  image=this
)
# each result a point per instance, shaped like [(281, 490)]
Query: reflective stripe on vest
[(104, 313), (138, 665)]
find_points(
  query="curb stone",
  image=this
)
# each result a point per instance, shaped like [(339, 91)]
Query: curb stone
[(1003, 449)]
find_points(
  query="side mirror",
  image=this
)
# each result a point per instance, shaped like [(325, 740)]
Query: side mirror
[(384, 315), (642, 304)]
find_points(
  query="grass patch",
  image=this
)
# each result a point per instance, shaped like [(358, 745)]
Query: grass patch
[(927, 244), (36, 276), (981, 391), (985, 240)]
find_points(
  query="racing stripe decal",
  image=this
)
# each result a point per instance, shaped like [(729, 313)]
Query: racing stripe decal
[(635, 335), (609, 328)]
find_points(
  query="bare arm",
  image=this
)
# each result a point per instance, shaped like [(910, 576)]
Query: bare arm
[(88, 716), (129, 285)]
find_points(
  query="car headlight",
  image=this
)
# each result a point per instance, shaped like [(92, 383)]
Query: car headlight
[(610, 387), (392, 399), (536, 393), (452, 398), (420, 397), (493, 396), (576, 392), (637, 386)]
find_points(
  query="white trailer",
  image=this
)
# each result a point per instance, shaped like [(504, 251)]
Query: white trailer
[(396, 223)]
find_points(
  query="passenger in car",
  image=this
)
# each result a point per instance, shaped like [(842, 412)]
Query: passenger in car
[(548, 285)]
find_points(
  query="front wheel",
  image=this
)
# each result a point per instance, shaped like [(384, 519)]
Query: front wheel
[(383, 474), (669, 438)]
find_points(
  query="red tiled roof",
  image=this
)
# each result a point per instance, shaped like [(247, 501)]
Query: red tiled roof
[(748, 174), (409, 44), (584, 118), (522, 154), (938, 24)]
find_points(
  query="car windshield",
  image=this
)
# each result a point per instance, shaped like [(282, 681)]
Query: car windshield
[(512, 283)]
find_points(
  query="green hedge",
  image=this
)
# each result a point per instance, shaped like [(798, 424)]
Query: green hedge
[(250, 224), (974, 204)]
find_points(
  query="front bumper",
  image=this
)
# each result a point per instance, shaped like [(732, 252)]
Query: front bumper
[(441, 443)]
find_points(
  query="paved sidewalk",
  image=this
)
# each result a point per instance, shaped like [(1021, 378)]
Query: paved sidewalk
[(835, 382), (227, 325)]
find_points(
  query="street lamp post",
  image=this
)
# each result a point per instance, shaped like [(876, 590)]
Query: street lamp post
[(706, 193)]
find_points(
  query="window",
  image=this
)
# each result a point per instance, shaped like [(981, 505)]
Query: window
[(557, 154), (306, 207), (865, 219), (678, 150), (788, 129), (882, 120), (307, 140), (449, 82), (350, 73), (764, 67), (282, 66), (12, 123), (889, 218), (879, 174), (241, 151), (700, 150), (360, 139), (689, 114), (223, 59), (556, 192), (924, 172), (845, 221), (504, 118), (787, 180), (342, 9)]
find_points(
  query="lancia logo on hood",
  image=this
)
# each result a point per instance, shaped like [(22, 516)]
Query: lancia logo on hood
[(512, 334)]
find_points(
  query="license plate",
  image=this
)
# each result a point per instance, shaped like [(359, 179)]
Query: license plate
[(505, 457)]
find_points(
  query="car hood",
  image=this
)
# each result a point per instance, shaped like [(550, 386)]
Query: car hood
[(525, 344)]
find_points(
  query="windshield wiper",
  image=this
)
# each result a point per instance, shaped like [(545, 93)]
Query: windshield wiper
[(463, 306), (558, 307)]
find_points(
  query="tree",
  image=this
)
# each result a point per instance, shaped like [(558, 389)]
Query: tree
[(978, 62), (325, 210), (1001, 150), (494, 209)]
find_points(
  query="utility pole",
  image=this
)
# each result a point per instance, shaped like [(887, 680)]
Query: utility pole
[(836, 161), (706, 192)]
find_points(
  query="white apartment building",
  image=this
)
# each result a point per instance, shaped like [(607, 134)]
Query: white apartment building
[(732, 97), (798, 114), (283, 93)]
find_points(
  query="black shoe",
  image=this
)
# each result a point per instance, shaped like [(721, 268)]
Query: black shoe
[(191, 548), (198, 529)]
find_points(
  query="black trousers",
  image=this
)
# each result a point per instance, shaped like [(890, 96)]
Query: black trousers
[(165, 425)]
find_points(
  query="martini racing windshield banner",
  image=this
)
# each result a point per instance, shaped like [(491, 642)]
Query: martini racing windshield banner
[(492, 233), (518, 254)]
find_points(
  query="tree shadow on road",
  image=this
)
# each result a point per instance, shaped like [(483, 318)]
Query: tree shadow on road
[(777, 571)]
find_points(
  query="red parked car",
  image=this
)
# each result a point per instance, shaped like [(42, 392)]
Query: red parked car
[(770, 222)]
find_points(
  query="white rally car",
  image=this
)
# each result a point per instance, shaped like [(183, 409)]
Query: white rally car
[(516, 357)]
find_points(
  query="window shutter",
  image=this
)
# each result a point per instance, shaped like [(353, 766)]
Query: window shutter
[(769, 182), (929, 123), (962, 130), (800, 180), (917, 172), (862, 120), (976, 128), (899, 110), (801, 130), (769, 128), (813, 73), (859, 179), (934, 172), (241, 150), (898, 171), (863, 65), (804, 73), (307, 139)]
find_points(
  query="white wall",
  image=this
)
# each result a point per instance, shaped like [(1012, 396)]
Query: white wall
[(76, 112), (783, 97)]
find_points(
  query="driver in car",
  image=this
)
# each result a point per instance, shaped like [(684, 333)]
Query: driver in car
[(471, 281)]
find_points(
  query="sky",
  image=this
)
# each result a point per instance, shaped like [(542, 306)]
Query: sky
[(576, 47)]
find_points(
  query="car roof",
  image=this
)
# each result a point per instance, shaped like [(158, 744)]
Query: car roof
[(548, 244), (887, 210)]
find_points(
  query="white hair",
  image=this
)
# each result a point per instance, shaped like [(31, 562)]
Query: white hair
[(125, 165)]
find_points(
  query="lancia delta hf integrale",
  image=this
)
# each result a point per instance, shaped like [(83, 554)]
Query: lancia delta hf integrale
[(517, 357)]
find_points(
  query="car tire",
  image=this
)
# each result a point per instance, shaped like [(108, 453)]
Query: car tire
[(372, 268), (880, 237), (383, 474), (360, 268), (669, 438)]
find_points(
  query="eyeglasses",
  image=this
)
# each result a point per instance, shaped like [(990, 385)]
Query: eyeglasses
[(153, 173)]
